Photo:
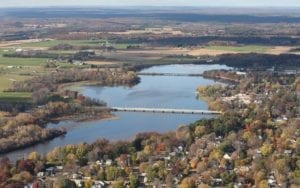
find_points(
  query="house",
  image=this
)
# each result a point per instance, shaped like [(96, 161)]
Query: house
[(108, 162), (78, 182), (59, 168), (242, 169), (50, 171), (19, 50), (288, 152), (70, 94), (227, 157), (98, 184), (28, 185), (271, 181), (143, 178), (100, 163), (41, 174), (76, 176), (216, 181), (87, 178)]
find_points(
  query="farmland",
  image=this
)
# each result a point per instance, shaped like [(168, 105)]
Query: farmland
[(241, 49), (14, 97)]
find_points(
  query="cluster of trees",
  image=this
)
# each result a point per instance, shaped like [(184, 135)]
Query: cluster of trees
[(258, 61), (66, 47), (35, 54), (23, 130), (269, 141), (52, 80), (274, 95), (203, 40), (223, 75), (46, 87)]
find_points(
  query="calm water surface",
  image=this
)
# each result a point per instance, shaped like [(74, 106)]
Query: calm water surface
[(152, 92)]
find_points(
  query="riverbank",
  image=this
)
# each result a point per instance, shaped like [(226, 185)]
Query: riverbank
[(151, 91), (49, 134)]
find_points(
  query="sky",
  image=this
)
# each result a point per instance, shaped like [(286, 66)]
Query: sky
[(220, 3)]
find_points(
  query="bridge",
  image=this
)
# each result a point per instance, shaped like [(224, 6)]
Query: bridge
[(165, 110), (167, 74)]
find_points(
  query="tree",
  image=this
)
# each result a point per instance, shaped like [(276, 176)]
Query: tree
[(111, 173), (266, 149), (259, 176), (151, 173), (88, 184), (263, 184), (169, 181), (200, 131), (25, 165), (282, 166), (203, 186), (183, 133), (228, 177), (35, 156), (148, 149), (118, 183), (37, 184), (188, 183), (64, 183), (133, 180)]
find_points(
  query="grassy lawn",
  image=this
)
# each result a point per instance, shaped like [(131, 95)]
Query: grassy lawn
[(15, 96), (6, 80), (241, 49), (9, 61), (49, 44)]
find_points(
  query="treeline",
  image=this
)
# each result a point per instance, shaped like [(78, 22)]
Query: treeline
[(64, 47), (272, 94), (46, 86), (257, 61), (36, 54), (23, 130), (27, 136), (102, 77), (249, 40), (223, 75)]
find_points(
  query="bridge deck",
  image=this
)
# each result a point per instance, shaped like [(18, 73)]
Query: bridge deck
[(167, 74), (165, 110)]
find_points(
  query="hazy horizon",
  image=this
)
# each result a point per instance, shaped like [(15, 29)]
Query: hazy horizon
[(152, 3)]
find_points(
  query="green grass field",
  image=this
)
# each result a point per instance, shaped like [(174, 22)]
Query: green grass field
[(241, 49), (52, 43), (6, 80), (9, 61), (15, 96)]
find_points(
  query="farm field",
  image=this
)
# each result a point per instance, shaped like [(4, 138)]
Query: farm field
[(6, 81), (241, 49), (8, 61), (52, 43), (15, 96)]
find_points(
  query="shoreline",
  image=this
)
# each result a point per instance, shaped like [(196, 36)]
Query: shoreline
[(76, 86), (56, 134), (63, 132)]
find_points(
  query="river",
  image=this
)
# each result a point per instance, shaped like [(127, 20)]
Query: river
[(152, 92)]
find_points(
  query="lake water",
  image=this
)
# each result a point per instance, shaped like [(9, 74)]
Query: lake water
[(152, 92)]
